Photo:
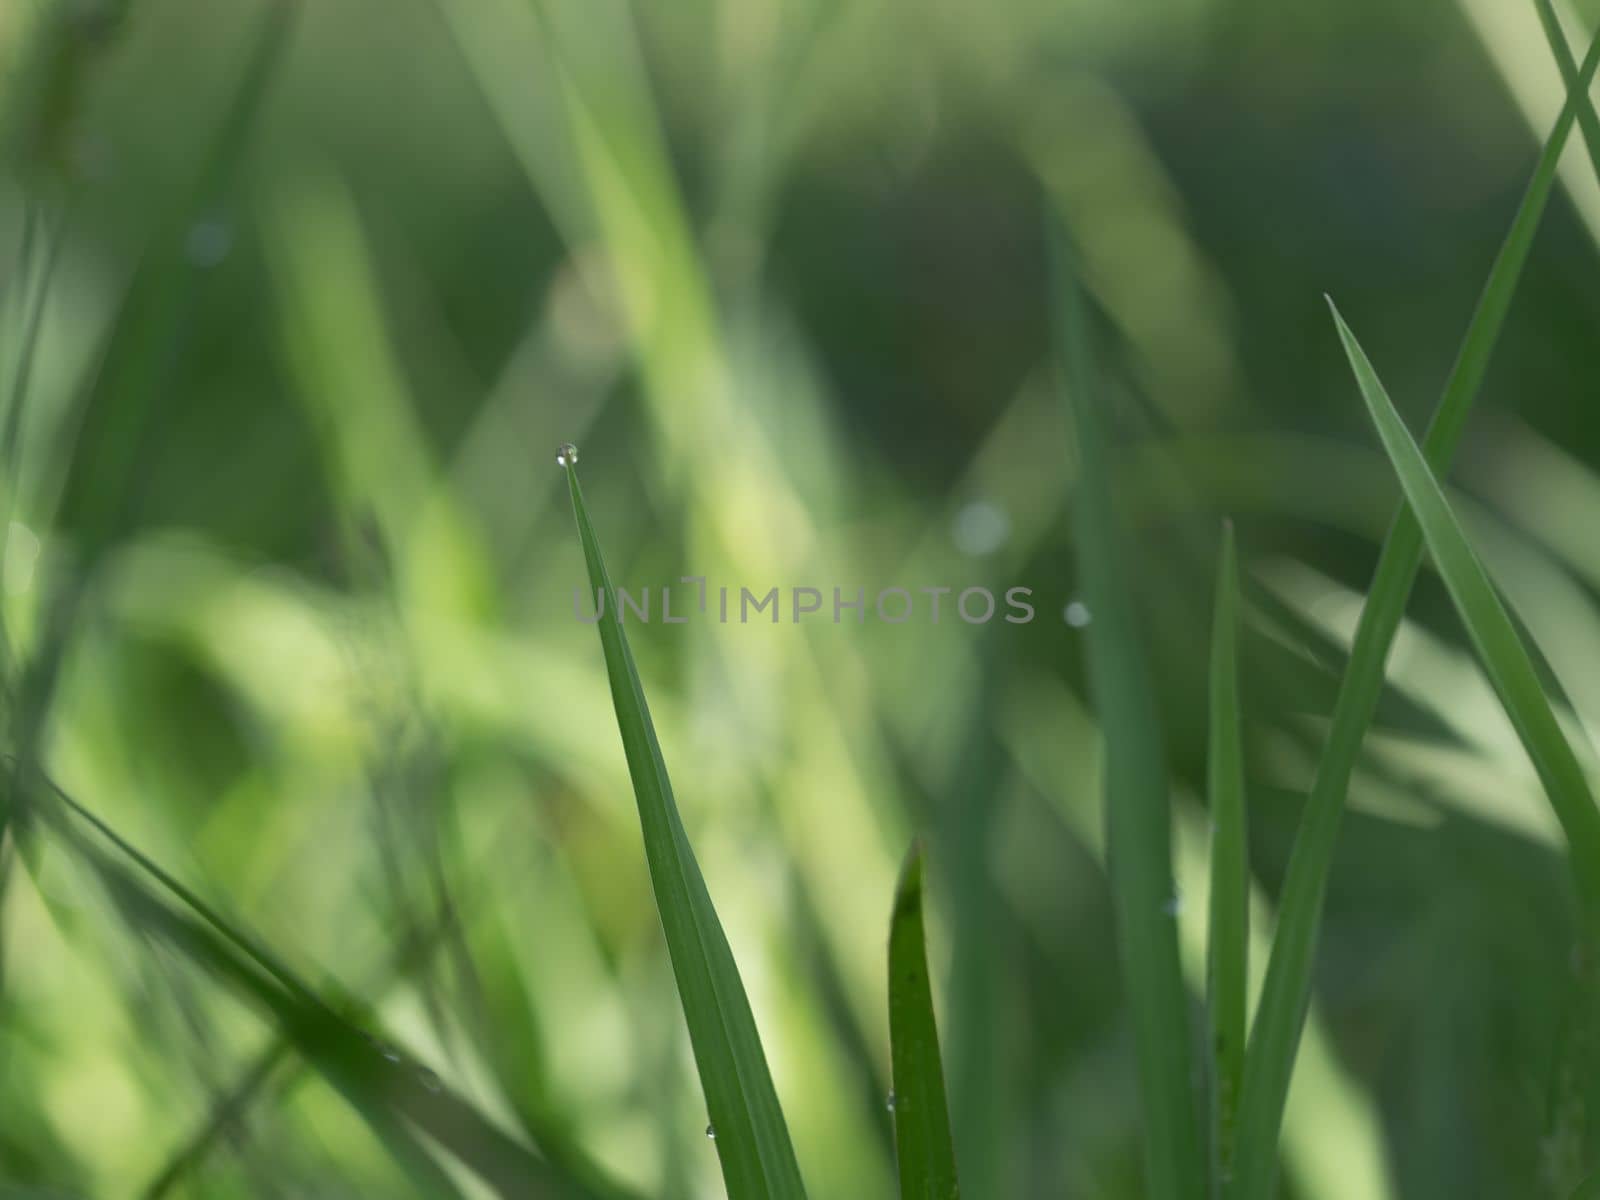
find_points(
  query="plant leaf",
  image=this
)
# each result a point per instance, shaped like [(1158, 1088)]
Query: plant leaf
[(1505, 658), (1138, 820), (372, 1075), (377, 1088), (922, 1141), (1286, 992), (752, 1140), (1588, 124), (1227, 942)]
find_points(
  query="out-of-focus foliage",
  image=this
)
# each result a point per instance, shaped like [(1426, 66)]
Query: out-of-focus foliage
[(298, 299)]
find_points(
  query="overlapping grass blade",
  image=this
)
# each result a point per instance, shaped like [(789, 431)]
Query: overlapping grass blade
[(1138, 820), (350, 1063), (1505, 658), (372, 1074), (225, 1115), (276, 1071), (1588, 123), (1286, 992), (1227, 942), (924, 1148), (752, 1140), (1516, 681)]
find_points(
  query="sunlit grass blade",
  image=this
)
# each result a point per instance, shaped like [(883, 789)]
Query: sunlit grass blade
[(372, 1074), (751, 1138), (226, 1114), (1286, 991), (1227, 942), (923, 1145), (275, 1073), (1588, 123), (358, 1069), (1505, 658), (1138, 819)]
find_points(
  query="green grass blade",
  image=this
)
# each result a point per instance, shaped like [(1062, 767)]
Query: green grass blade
[(752, 1140), (1505, 658), (378, 1081), (1516, 681), (1588, 123), (1138, 820), (1286, 992), (922, 1141), (1227, 965), (226, 1115), (373, 1084)]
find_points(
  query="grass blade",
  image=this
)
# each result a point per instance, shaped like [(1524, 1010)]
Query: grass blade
[(922, 1141), (1588, 123), (1493, 635), (1286, 992), (1516, 681), (752, 1140), (380, 1083), (1227, 941), (353, 1064), (1138, 820)]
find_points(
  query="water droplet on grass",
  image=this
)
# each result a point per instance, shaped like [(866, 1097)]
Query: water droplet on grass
[(711, 1133), (980, 528), (566, 454), (1173, 905), (891, 1102), (1077, 614), (208, 242)]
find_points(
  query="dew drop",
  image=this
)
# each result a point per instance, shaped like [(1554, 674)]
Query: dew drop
[(711, 1133), (891, 1102), (391, 1054), (428, 1079), (1172, 905), (208, 242), (1076, 614), (566, 454), (980, 528)]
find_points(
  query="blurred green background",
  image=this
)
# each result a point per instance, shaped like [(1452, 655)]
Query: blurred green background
[(299, 299)]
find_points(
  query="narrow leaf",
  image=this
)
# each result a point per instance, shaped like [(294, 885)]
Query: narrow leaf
[(1229, 931), (922, 1141), (1286, 992), (1588, 124), (377, 1088), (391, 1093), (1138, 820), (1516, 681), (751, 1138), (1505, 658)]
